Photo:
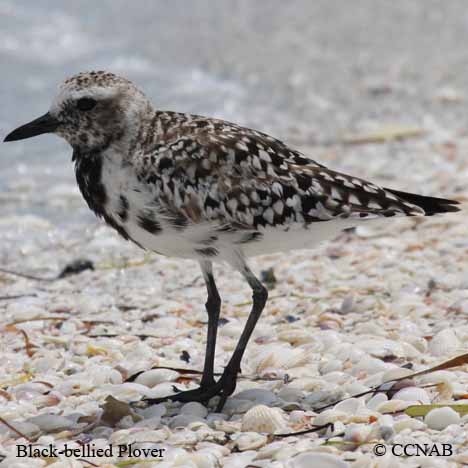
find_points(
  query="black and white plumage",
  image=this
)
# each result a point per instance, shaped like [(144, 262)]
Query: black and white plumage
[(206, 189)]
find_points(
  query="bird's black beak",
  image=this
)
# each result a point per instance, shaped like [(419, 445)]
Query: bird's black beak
[(44, 124)]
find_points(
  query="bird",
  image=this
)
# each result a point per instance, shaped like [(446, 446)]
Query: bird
[(206, 189)]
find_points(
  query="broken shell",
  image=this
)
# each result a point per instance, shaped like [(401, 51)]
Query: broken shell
[(357, 433), (296, 336), (322, 460), (156, 376), (376, 401), (261, 418), (194, 408), (350, 406), (392, 406), (258, 396), (408, 423), (397, 373), (414, 394), (282, 357), (51, 422), (330, 416), (249, 441), (444, 343)]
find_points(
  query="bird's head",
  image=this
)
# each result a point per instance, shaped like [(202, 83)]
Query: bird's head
[(91, 110)]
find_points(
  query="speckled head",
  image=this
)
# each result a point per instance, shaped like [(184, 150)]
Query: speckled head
[(91, 110)]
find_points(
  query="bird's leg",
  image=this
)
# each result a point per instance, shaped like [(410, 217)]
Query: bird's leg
[(228, 380), (213, 307)]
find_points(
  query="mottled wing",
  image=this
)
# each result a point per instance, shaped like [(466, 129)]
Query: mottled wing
[(244, 179)]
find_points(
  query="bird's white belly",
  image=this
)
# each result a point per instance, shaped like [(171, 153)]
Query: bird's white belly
[(192, 241)]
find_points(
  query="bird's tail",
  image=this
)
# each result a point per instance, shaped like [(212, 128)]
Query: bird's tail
[(430, 205)]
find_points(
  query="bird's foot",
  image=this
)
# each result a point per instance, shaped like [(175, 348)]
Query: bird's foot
[(223, 388)]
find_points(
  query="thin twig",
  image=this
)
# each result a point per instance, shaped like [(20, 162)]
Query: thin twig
[(305, 431), (36, 319), (87, 461), (7, 424), (17, 296), (26, 275)]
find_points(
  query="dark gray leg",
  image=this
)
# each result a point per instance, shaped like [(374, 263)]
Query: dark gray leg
[(213, 307), (208, 386), (260, 295)]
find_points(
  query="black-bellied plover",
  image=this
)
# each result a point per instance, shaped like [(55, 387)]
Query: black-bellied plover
[(206, 189)]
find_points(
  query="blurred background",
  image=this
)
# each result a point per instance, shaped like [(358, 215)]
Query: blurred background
[(309, 72)]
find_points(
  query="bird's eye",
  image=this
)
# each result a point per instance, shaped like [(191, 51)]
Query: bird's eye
[(85, 104)]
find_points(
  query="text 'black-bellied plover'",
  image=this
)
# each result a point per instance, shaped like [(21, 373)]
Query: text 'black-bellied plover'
[(205, 189)]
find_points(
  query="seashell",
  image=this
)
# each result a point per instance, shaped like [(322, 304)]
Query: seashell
[(357, 433), (282, 357), (409, 351), (337, 377), (392, 406), (350, 406), (158, 391), (440, 418), (259, 396), (331, 366), (446, 390), (249, 441), (200, 459), (69, 463), (271, 450), (153, 411), (194, 409), (379, 347), (239, 460), (290, 394), (130, 391), (355, 387), (212, 417), (183, 420), (51, 422), (322, 460), (408, 423), (148, 423), (337, 429), (324, 397), (330, 338), (418, 342), (347, 305), (261, 418), (444, 343), (229, 427), (237, 406), (297, 416), (413, 394), (396, 373), (296, 336), (376, 401), (24, 427), (442, 376), (330, 416), (154, 377), (231, 330), (290, 406), (74, 386)]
